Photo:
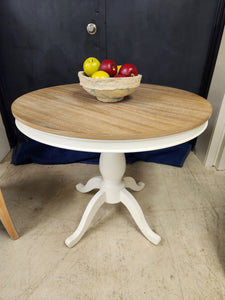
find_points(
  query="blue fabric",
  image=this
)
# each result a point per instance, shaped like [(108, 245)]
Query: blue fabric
[(35, 152)]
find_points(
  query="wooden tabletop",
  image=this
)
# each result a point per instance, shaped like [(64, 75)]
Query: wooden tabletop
[(151, 111)]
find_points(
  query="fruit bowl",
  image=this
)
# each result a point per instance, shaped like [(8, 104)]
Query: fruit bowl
[(112, 89)]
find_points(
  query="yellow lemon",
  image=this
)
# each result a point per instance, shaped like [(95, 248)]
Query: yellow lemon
[(100, 74)]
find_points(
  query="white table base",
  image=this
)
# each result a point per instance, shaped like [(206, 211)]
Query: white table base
[(112, 189), (112, 186)]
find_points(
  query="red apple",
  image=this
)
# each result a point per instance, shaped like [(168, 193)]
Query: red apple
[(128, 70), (108, 66)]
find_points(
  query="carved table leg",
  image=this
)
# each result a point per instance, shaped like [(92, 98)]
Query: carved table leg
[(136, 212), (93, 183), (131, 184), (90, 211), (112, 187)]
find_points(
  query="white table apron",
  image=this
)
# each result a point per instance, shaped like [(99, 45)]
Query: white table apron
[(111, 184)]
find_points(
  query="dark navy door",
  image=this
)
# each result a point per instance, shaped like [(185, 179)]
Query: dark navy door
[(167, 40), (44, 43)]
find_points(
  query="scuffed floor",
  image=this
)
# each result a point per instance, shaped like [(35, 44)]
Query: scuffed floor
[(113, 260)]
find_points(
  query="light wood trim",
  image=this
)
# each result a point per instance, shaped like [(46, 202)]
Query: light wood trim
[(151, 111), (6, 220)]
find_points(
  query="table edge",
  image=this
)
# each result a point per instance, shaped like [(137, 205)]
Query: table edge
[(110, 146)]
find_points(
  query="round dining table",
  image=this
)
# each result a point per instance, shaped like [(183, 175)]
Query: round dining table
[(153, 117)]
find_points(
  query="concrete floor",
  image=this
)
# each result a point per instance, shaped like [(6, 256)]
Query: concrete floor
[(186, 206)]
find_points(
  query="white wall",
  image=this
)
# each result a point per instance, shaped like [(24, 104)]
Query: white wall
[(209, 143), (4, 144)]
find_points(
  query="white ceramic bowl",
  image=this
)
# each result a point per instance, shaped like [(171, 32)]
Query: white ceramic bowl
[(112, 89)]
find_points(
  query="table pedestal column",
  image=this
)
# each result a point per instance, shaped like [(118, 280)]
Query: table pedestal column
[(112, 189)]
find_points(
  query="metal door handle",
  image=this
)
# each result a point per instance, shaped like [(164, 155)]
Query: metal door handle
[(91, 28)]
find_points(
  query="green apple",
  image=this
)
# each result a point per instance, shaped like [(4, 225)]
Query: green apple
[(91, 65), (100, 74)]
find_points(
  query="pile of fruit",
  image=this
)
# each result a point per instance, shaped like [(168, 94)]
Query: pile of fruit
[(107, 68)]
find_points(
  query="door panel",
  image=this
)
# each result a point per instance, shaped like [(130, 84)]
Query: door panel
[(44, 43), (167, 40)]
